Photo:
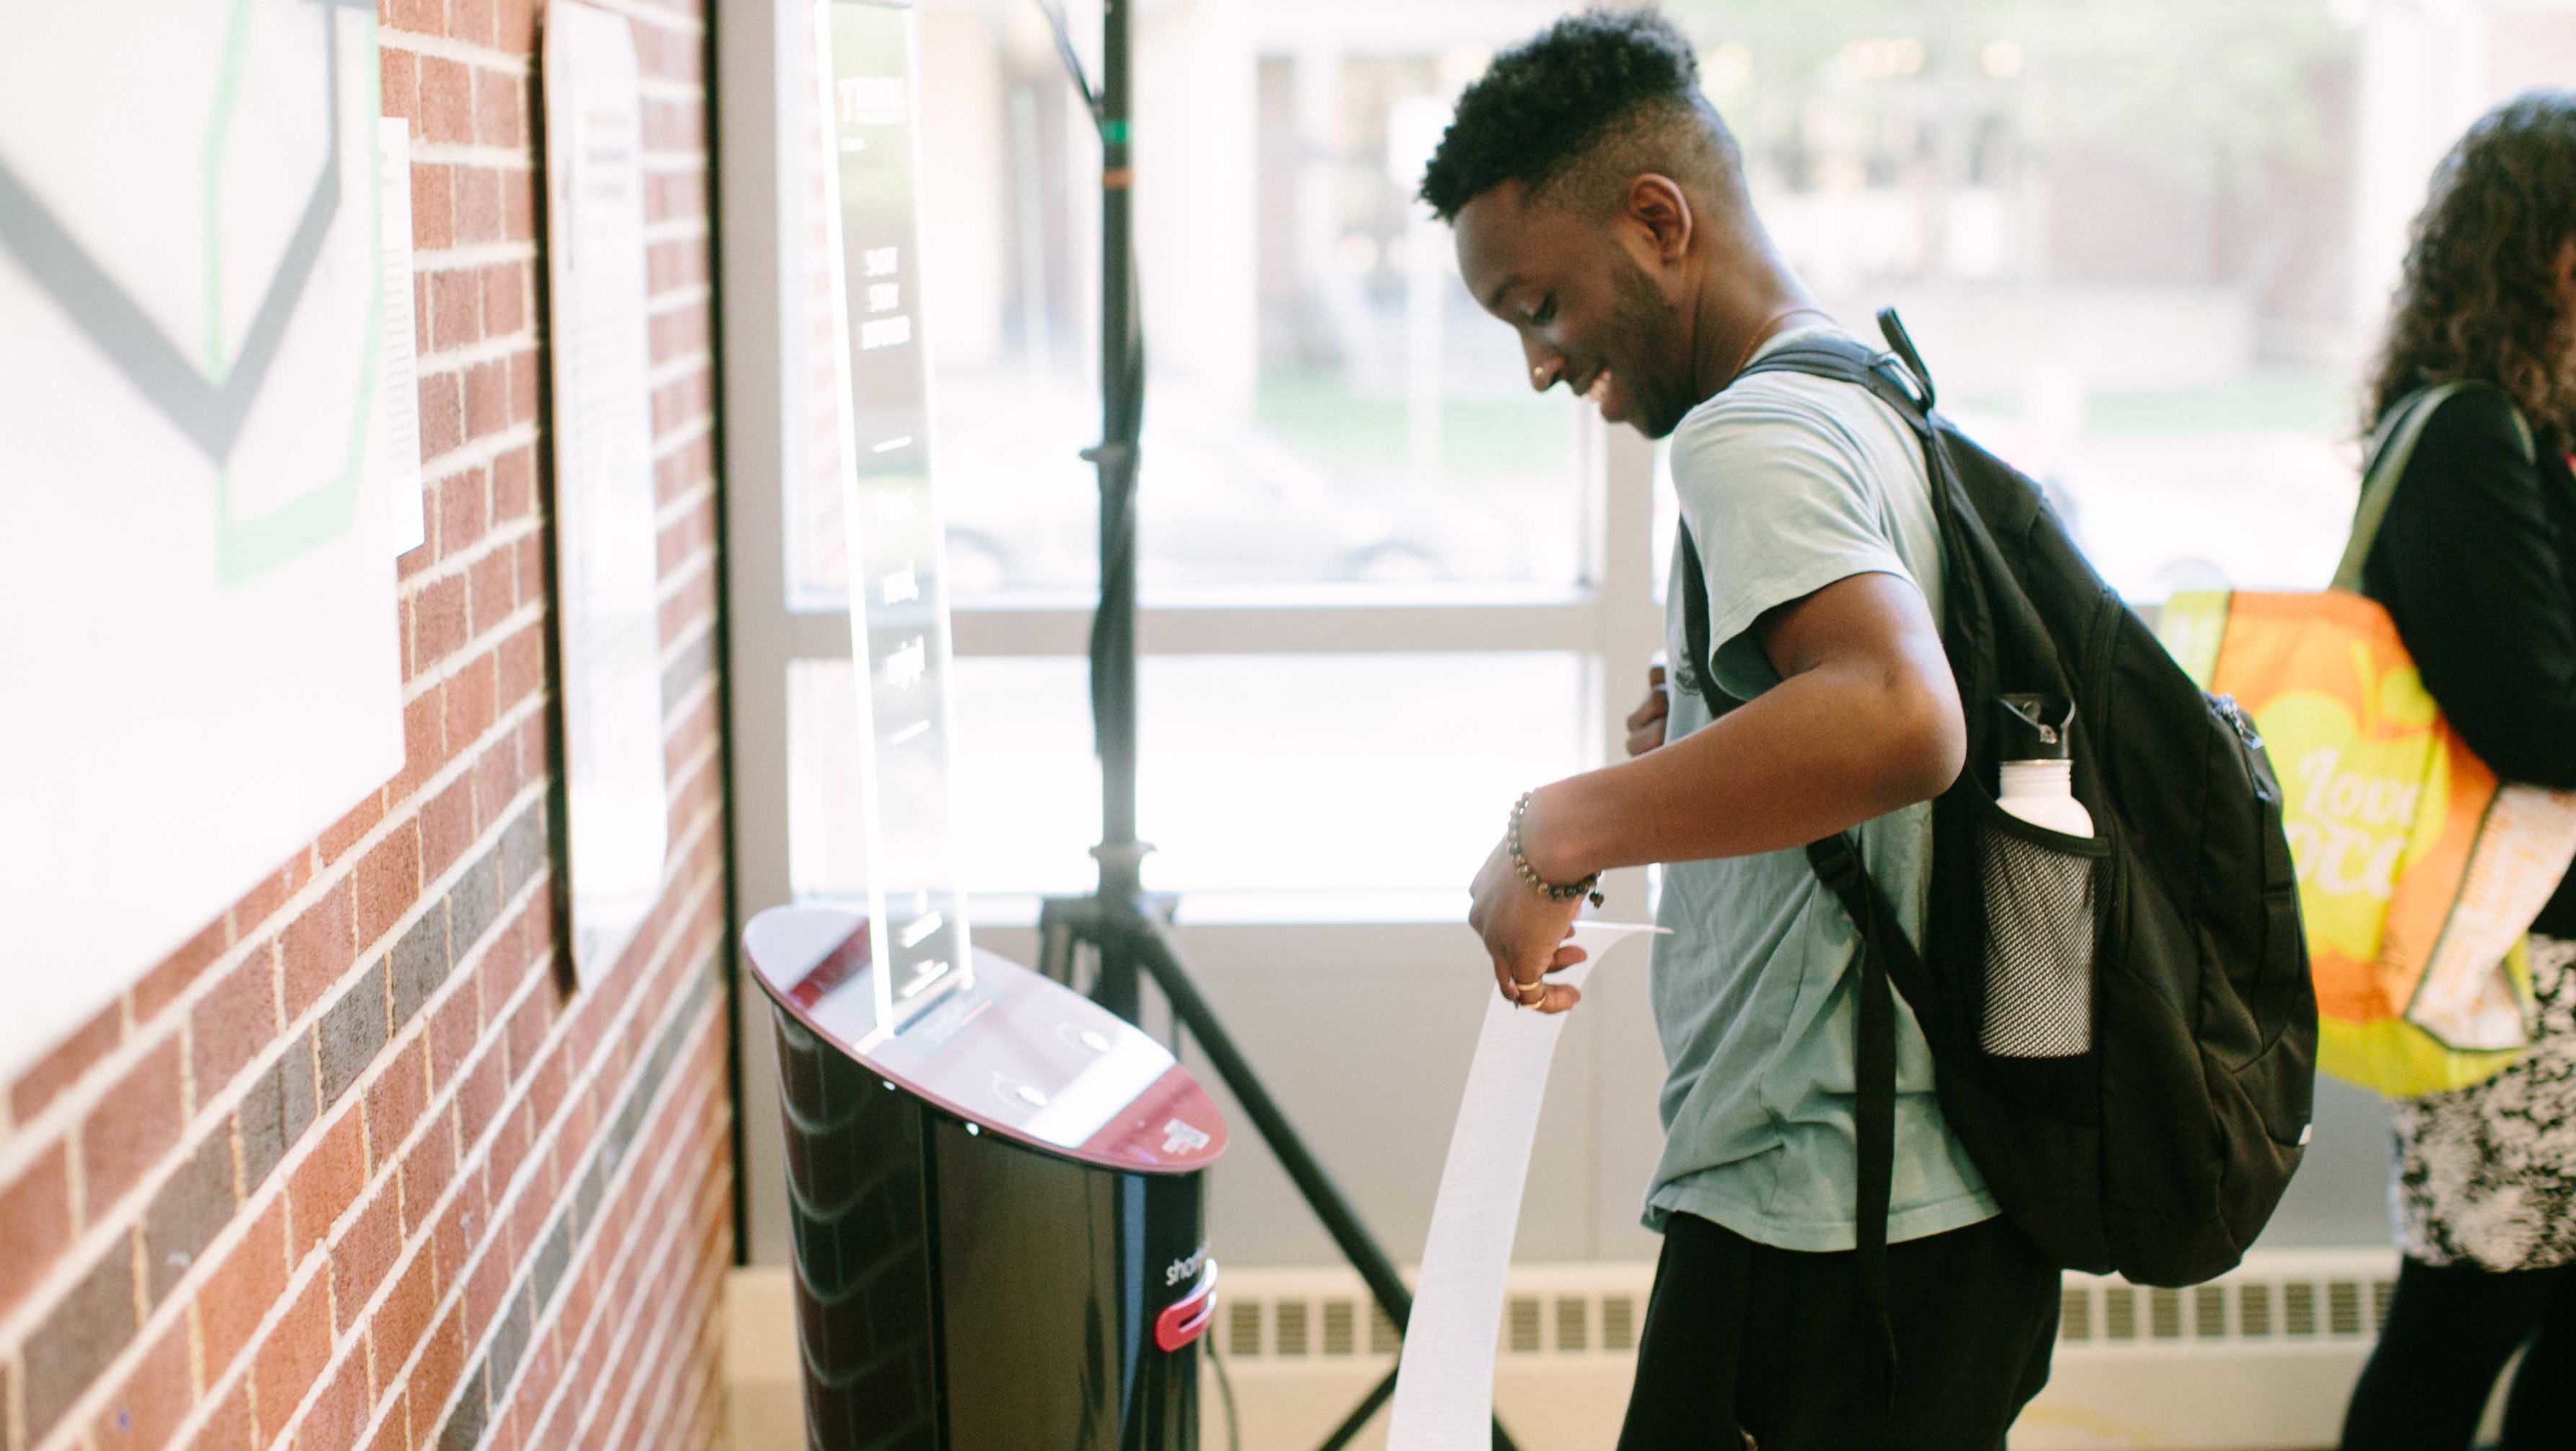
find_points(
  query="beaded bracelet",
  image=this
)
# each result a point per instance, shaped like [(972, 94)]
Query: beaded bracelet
[(1553, 891)]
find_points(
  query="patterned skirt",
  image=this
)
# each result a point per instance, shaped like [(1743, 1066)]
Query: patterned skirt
[(2486, 1175)]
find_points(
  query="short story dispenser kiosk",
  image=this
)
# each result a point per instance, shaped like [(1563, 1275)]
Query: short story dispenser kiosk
[(995, 1183), (998, 1209)]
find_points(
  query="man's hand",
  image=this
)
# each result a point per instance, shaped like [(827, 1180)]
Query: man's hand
[(1524, 929), (1646, 722)]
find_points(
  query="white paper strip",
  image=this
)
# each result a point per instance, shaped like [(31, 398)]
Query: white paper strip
[(1444, 1390)]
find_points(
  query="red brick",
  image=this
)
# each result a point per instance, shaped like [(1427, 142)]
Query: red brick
[(471, 21), (464, 499), (397, 1099), (318, 948), (242, 1288), (388, 882), (455, 312), (442, 414), (364, 1255), (403, 1318), (439, 619), (346, 832), (433, 208), (326, 1184), (447, 827), (433, 1380), (426, 1173), (401, 83), (523, 386), (487, 398), (424, 743), (229, 1428), (264, 900), (527, 1030), (446, 101), (494, 589), (522, 665), (130, 1129), (487, 1290), (510, 1144), (35, 1223), (519, 205), (416, 17), (69, 1061), (292, 1357), (515, 26), (163, 984), (480, 215), (454, 1239), (393, 1433), (496, 775), (496, 96), (234, 1020), (419, 323), (453, 1031), (338, 1420), (469, 701), (155, 1398), (505, 298), (514, 484), (532, 567)]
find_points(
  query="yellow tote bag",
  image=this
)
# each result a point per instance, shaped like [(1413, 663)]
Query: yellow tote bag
[(2419, 873)]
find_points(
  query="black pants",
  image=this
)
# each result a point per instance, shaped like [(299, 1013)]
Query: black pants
[(1746, 1341), (2450, 1329)]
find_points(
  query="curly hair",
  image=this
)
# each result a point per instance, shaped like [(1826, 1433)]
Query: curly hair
[(1619, 87), (2478, 297)]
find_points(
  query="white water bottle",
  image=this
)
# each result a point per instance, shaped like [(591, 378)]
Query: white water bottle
[(2038, 777)]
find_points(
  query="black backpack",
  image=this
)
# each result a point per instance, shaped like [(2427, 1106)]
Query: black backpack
[(2160, 1149)]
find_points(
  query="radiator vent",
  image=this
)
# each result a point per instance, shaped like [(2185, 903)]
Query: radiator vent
[(2265, 1304), (2292, 1297), (1339, 1335), (1289, 1331), (1618, 1322), (1520, 1325)]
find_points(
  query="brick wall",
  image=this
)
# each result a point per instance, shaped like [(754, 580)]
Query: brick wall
[(358, 1168)]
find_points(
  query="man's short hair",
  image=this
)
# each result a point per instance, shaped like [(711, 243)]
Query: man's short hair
[(1578, 111)]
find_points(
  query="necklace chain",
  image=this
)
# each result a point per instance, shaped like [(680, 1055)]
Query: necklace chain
[(1762, 332)]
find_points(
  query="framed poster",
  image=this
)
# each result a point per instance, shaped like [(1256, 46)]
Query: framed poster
[(608, 621)]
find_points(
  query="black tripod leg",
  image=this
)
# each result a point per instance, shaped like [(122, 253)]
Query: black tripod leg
[(1361, 1415), (1154, 951)]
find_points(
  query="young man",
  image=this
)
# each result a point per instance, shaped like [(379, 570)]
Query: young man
[(1600, 210)]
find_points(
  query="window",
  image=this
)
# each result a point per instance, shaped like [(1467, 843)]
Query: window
[(2145, 260)]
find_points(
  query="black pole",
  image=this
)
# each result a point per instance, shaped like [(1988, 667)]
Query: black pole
[(1122, 410), (1125, 934)]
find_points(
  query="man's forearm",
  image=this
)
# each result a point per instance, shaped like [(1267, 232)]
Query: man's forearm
[(1816, 754)]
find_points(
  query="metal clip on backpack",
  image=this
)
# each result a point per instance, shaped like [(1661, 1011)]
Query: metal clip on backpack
[(2160, 1148)]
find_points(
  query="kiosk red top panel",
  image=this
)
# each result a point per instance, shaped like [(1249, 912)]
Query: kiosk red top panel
[(1013, 1052)]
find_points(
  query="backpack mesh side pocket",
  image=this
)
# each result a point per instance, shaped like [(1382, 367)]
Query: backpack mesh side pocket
[(2038, 990)]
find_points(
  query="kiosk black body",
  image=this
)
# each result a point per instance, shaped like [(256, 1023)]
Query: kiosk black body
[(997, 1211)]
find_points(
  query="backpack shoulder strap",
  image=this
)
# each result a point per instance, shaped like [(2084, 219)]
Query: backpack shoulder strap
[(2392, 448), (1847, 361)]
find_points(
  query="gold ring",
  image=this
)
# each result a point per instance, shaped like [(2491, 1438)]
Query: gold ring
[(1541, 985)]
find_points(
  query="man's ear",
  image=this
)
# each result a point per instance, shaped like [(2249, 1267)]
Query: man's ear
[(1656, 204)]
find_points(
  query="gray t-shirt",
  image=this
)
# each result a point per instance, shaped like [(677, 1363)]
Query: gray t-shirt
[(1790, 483)]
